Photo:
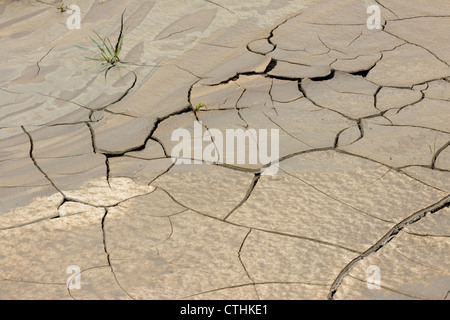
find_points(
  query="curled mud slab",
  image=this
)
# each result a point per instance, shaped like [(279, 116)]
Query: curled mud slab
[(360, 190)]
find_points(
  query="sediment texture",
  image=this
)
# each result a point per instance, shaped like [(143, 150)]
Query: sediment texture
[(87, 177)]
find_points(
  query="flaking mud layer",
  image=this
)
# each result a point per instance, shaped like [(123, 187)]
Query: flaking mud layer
[(87, 178)]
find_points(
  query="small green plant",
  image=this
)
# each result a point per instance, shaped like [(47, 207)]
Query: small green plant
[(433, 153), (198, 107), (62, 7), (109, 53)]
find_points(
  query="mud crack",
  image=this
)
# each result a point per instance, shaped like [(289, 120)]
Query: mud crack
[(445, 202)]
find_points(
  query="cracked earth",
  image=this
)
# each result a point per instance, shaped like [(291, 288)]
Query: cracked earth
[(87, 178)]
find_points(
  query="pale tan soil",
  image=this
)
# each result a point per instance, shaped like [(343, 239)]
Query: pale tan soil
[(87, 179)]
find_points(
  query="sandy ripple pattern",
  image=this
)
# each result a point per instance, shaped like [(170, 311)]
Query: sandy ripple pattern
[(92, 205)]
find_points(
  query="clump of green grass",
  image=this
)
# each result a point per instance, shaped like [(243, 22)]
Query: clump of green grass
[(108, 54), (62, 7), (198, 107)]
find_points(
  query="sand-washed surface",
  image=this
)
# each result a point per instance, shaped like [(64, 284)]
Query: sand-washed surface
[(88, 187)]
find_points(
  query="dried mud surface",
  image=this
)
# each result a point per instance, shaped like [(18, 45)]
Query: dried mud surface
[(87, 178)]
